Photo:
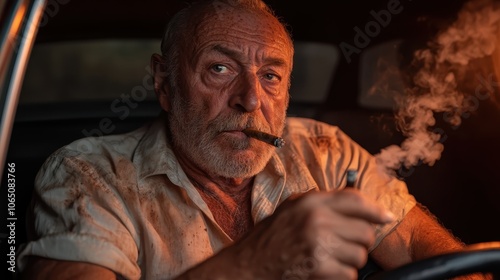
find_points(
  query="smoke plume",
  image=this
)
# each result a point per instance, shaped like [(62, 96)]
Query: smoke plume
[(435, 86)]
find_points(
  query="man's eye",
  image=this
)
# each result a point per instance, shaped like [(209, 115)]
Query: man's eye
[(219, 68), (271, 77)]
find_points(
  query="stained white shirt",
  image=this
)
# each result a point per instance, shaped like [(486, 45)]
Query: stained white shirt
[(124, 202)]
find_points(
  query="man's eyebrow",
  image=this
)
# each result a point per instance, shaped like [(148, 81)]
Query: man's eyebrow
[(234, 54)]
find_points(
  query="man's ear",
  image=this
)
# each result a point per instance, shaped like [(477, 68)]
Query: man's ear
[(162, 91)]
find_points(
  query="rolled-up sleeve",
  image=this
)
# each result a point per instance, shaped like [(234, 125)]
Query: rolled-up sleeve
[(328, 153), (78, 215), (375, 182)]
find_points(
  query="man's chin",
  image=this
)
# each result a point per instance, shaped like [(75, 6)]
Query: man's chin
[(240, 163), (240, 172)]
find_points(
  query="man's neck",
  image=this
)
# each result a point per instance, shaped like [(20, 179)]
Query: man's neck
[(230, 205), (229, 199)]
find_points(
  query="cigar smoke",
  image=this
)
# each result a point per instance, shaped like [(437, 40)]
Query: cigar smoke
[(435, 86)]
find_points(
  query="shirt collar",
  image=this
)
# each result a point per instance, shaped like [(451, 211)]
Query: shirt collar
[(153, 155)]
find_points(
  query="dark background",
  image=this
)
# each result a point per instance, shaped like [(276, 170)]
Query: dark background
[(461, 189)]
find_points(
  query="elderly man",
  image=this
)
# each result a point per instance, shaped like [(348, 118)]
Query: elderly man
[(193, 196)]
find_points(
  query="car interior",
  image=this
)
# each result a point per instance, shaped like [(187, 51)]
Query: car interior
[(88, 75)]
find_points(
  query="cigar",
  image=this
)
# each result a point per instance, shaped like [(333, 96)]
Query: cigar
[(351, 178), (276, 141)]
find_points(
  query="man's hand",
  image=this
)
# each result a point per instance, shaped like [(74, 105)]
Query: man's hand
[(317, 236)]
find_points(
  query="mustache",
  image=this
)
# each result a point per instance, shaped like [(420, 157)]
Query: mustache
[(237, 121)]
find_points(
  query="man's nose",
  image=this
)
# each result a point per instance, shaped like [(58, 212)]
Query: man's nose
[(247, 94)]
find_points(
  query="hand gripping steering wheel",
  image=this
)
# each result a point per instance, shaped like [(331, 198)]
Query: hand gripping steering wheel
[(480, 257)]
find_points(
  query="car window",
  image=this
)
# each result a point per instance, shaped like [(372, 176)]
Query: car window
[(118, 69), (89, 70)]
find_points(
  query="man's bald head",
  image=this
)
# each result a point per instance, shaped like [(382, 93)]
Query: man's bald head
[(181, 30)]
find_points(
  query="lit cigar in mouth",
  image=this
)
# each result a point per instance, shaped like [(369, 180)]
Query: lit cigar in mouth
[(276, 141)]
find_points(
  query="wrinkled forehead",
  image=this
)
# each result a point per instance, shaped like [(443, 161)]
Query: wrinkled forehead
[(222, 20)]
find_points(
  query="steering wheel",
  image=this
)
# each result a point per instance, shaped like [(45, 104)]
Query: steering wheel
[(480, 257)]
